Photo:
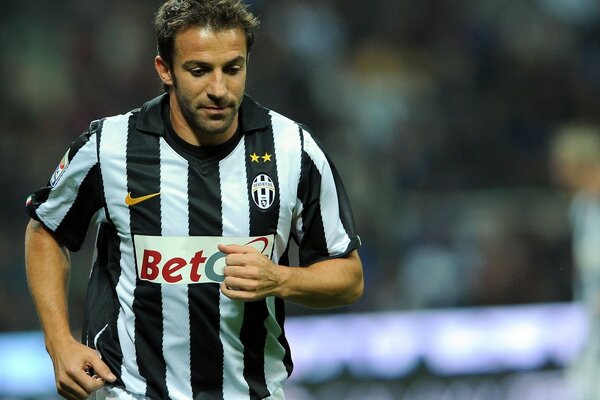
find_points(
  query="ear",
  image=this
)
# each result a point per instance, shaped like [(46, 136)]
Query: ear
[(163, 70)]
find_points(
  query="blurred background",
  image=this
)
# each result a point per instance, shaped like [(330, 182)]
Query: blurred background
[(438, 115)]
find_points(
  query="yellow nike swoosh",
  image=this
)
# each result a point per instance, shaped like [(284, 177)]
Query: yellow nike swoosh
[(132, 201)]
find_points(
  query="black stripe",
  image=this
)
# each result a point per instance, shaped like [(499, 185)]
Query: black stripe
[(205, 213), (101, 299), (280, 315), (38, 198), (345, 210), (253, 334), (74, 226), (313, 246), (143, 177), (262, 222), (102, 305)]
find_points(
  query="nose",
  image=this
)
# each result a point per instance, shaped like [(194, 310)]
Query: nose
[(217, 87)]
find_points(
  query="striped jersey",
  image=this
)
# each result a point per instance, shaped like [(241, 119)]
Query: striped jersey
[(158, 208)]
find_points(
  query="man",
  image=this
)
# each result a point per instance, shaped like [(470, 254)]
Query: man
[(575, 156), (197, 197)]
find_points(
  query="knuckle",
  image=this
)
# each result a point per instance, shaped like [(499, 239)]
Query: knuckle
[(63, 392), (102, 368), (61, 381)]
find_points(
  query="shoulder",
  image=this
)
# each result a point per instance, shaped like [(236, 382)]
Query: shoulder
[(259, 121), (299, 135), (285, 125), (289, 135), (144, 119), (256, 117)]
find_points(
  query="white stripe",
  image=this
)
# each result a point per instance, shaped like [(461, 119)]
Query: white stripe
[(61, 198), (115, 393), (236, 222), (176, 322), (234, 193), (289, 157), (289, 160), (335, 235), (113, 144), (275, 370), (298, 225)]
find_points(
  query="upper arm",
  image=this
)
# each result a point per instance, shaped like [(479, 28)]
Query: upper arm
[(341, 278), (349, 266), (42, 247), (36, 234)]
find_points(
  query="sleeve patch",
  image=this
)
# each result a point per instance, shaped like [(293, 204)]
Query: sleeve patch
[(60, 169)]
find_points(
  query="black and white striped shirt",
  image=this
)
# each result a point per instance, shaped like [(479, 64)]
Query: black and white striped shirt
[(189, 341)]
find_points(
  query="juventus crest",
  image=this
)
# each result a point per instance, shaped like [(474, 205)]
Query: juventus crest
[(263, 191)]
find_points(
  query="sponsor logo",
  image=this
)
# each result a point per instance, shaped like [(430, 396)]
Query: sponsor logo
[(60, 170), (188, 260), (263, 191), (132, 201)]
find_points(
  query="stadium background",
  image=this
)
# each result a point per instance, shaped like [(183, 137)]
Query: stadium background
[(438, 115)]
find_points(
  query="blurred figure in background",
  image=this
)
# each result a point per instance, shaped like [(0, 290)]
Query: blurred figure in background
[(575, 156)]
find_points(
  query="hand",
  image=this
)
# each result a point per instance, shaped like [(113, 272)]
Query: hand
[(249, 275), (73, 362)]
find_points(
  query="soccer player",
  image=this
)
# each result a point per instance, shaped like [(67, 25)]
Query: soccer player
[(575, 157), (202, 200)]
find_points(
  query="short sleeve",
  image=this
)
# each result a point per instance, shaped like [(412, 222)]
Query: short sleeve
[(324, 226), (72, 195)]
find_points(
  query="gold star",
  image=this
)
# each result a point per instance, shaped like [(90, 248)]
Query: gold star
[(254, 157), (266, 157)]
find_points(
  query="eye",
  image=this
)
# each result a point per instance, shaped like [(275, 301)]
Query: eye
[(232, 70), (198, 71)]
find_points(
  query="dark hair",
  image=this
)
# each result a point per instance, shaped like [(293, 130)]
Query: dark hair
[(175, 16)]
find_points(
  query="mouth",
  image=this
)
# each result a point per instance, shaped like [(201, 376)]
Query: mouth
[(215, 110)]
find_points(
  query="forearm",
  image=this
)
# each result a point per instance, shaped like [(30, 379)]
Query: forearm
[(326, 284), (48, 266)]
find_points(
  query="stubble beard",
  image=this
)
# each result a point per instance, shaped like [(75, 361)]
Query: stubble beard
[(206, 125)]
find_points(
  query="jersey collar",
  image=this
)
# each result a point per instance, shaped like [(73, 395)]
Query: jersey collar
[(254, 116)]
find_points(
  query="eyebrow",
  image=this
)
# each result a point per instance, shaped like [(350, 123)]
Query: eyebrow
[(198, 63)]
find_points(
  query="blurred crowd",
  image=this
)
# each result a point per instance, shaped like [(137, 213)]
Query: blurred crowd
[(438, 115)]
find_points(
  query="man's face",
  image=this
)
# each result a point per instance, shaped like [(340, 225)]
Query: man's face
[(209, 77)]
